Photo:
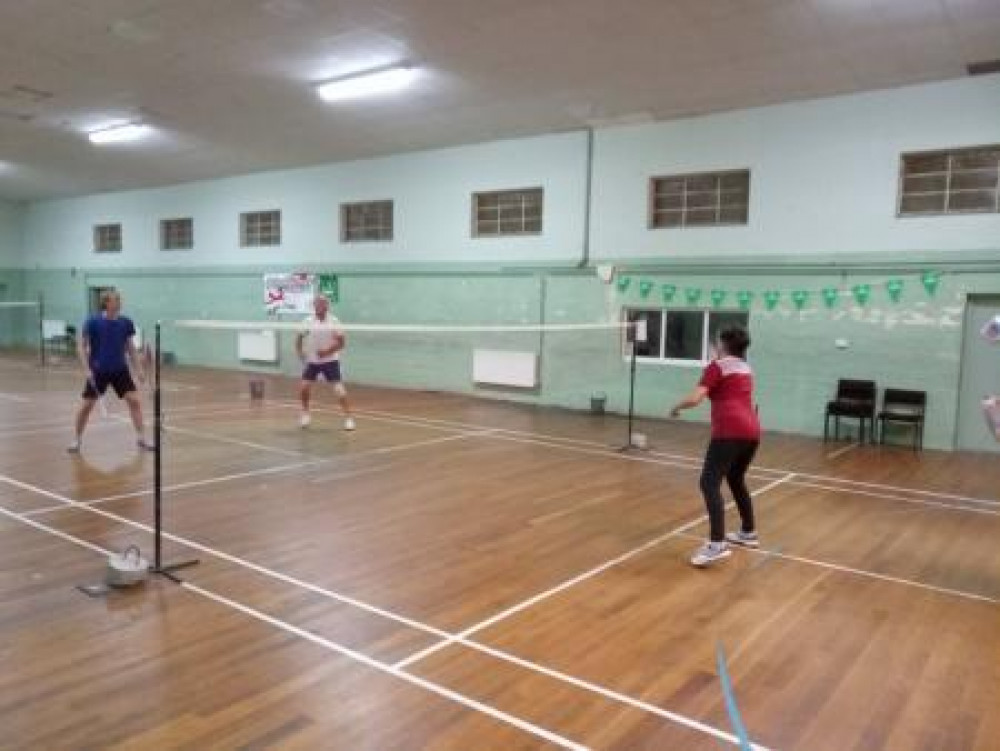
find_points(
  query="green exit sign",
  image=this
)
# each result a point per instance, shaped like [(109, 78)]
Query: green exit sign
[(329, 287)]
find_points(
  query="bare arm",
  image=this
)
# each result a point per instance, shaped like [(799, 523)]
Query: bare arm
[(83, 350), (299, 338), (134, 359), (693, 399), (338, 344)]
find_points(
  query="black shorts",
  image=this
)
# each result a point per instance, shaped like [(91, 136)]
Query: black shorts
[(329, 371), (120, 381)]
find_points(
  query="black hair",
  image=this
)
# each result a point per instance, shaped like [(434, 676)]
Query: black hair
[(735, 339)]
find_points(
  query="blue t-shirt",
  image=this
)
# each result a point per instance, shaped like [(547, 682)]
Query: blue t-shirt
[(108, 342)]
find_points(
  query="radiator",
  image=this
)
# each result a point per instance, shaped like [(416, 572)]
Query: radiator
[(504, 368)]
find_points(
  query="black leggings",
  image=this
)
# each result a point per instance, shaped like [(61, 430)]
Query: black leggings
[(729, 458)]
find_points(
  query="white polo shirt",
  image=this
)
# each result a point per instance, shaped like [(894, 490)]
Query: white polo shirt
[(321, 335)]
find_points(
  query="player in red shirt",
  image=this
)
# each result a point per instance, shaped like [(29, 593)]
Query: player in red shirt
[(728, 383)]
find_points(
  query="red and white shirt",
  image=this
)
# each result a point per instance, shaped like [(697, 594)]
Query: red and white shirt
[(729, 381)]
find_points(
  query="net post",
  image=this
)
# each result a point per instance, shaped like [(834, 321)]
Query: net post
[(41, 329), (158, 566), (632, 332), (158, 446), (631, 388)]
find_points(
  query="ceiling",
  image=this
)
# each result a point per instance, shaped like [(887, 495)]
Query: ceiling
[(227, 83)]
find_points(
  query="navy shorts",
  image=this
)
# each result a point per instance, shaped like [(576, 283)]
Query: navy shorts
[(120, 381), (330, 371)]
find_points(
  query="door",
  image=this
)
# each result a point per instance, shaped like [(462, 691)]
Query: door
[(980, 375)]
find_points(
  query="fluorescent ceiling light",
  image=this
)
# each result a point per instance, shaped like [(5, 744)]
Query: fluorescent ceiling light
[(380, 81), (119, 133)]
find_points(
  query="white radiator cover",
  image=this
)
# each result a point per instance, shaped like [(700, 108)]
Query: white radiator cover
[(505, 368), (257, 346)]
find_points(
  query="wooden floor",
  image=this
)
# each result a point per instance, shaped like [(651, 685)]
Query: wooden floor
[(468, 574)]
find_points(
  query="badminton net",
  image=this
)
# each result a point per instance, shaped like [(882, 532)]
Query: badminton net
[(582, 366)]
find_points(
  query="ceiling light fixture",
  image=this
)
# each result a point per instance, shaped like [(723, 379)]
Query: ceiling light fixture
[(368, 83), (119, 133)]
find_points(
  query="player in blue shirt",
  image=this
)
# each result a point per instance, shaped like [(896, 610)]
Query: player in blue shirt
[(105, 346)]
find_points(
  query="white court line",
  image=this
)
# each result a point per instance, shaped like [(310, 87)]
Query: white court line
[(180, 486), (692, 458), (45, 426), (333, 646), (694, 462), (371, 662), (589, 574), (900, 498), (293, 452), (275, 470), (70, 503), (65, 427), (52, 531), (14, 398), (841, 451), (389, 615), (863, 573), (235, 441), (504, 435)]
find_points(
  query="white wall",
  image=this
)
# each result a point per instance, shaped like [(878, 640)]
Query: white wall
[(824, 174), (432, 192), (824, 181)]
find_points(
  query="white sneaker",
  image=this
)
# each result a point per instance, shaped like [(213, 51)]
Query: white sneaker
[(304, 420), (349, 424), (744, 539), (74, 447), (144, 445), (709, 553)]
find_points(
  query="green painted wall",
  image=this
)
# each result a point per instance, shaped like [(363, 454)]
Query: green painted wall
[(913, 343), (13, 322)]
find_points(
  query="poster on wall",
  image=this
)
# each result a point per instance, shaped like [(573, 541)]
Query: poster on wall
[(289, 294), (329, 286)]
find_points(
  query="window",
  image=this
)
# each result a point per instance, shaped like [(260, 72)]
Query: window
[(370, 221), (176, 234), (681, 336), (260, 228), (958, 181), (507, 212), (108, 238), (700, 200)]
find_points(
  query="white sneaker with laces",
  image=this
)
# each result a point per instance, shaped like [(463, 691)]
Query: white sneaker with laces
[(304, 420), (709, 553), (349, 424), (744, 539)]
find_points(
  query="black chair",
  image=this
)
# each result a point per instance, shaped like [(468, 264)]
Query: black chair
[(856, 400), (906, 407)]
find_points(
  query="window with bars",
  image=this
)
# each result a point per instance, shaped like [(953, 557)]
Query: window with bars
[(108, 238), (957, 181), (681, 337), (700, 200), (507, 212), (369, 221), (260, 228), (176, 234)]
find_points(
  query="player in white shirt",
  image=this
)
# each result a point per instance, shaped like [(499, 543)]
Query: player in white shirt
[(319, 346)]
